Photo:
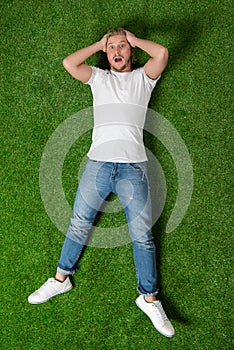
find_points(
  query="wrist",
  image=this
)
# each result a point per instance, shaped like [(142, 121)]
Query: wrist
[(98, 45), (135, 41)]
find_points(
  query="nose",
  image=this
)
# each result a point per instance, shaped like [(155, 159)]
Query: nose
[(117, 50)]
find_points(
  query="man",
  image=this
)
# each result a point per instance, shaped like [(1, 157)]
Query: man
[(117, 163)]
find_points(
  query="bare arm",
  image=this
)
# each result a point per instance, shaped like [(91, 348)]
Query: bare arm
[(74, 63), (159, 55)]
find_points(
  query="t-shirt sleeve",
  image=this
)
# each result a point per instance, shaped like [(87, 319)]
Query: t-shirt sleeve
[(95, 72), (150, 82)]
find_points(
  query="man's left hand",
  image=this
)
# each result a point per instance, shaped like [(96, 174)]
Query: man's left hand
[(130, 38)]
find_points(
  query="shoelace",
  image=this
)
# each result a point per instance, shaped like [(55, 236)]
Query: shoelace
[(49, 281), (158, 307)]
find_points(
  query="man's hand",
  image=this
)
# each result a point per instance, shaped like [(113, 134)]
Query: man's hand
[(130, 38), (103, 42)]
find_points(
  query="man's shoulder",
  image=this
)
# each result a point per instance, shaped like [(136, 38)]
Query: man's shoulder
[(100, 70), (97, 73), (138, 71)]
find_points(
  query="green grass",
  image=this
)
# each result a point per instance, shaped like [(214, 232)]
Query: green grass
[(194, 261)]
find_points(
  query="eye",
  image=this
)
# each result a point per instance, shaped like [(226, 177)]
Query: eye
[(111, 47)]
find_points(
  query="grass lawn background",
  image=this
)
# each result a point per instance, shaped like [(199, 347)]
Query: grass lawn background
[(194, 94)]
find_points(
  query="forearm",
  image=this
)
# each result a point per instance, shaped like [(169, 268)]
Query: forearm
[(153, 49), (79, 57)]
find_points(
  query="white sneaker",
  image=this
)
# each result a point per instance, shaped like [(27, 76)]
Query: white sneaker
[(49, 289), (157, 315)]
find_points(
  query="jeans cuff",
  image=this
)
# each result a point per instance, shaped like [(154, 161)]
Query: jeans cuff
[(64, 272), (148, 294)]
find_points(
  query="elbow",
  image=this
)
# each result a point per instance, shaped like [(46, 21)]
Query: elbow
[(161, 55), (165, 53), (65, 63)]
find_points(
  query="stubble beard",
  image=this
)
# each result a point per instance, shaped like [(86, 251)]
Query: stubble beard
[(121, 69)]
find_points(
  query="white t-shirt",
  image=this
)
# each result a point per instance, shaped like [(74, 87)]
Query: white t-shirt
[(120, 103)]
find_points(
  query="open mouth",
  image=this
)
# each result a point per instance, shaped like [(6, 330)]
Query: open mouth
[(118, 59)]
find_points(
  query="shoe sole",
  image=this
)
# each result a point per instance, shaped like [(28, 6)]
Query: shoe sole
[(45, 300), (165, 335)]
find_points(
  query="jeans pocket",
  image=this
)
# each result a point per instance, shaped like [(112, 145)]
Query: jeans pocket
[(140, 167)]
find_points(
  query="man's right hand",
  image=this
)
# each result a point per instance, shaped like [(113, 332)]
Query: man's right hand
[(103, 42)]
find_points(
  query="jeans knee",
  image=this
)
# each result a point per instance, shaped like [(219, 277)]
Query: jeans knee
[(147, 244), (79, 229)]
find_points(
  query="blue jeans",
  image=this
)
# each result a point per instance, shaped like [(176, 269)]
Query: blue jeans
[(130, 183)]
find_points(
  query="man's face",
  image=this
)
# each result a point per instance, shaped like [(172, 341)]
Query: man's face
[(119, 53)]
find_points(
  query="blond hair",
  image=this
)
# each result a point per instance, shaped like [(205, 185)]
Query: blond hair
[(117, 31)]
